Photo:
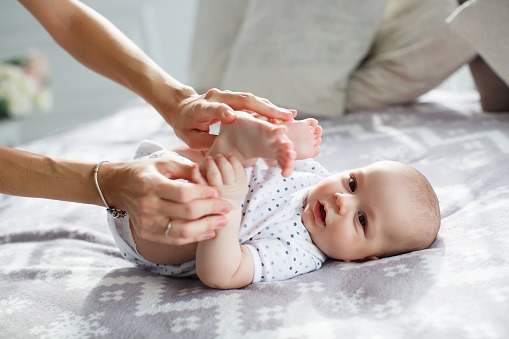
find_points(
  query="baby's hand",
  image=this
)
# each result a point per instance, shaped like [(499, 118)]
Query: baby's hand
[(228, 176)]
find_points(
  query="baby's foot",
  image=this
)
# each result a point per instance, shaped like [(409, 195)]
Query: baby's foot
[(306, 135), (248, 138)]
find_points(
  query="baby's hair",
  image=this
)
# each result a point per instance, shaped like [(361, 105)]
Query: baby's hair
[(426, 214), (430, 211)]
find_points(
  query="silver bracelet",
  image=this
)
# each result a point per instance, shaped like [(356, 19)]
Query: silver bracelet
[(115, 212)]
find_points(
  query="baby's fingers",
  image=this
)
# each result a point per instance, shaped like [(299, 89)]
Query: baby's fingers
[(226, 169), (237, 166), (212, 172), (197, 177)]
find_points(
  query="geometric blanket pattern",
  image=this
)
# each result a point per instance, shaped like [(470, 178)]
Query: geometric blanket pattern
[(62, 276)]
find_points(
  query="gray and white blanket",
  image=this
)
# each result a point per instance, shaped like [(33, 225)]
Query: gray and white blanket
[(61, 275)]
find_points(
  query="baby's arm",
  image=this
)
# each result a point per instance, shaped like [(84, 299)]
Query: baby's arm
[(221, 262)]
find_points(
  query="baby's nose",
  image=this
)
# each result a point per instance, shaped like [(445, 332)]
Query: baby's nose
[(342, 203)]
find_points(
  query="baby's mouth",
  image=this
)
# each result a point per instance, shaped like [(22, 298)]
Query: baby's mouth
[(320, 214)]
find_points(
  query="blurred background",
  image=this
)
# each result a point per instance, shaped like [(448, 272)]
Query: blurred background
[(162, 28)]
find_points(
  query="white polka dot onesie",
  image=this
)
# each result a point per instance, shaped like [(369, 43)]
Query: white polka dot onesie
[(271, 225)]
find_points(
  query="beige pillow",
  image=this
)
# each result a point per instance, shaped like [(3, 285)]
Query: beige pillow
[(485, 25), (299, 54), (217, 25), (414, 51)]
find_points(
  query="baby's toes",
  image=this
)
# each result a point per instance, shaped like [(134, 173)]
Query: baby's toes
[(316, 150), (312, 122), (317, 131)]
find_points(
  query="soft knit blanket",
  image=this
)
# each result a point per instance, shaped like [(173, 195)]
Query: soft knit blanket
[(61, 275)]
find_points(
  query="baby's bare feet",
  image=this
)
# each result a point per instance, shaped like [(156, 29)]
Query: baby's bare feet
[(248, 138), (306, 136)]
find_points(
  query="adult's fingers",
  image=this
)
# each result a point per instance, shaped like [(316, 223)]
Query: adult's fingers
[(194, 209), (222, 112), (183, 192), (177, 190), (185, 232), (196, 230), (243, 101)]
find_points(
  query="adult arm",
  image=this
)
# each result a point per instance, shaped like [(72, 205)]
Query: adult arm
[(142, 188), (99, 45)]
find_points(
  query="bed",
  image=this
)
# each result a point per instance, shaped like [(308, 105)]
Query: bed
[(62, 276)]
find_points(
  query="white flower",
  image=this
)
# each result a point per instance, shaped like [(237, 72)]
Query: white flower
[(43, 100), (22, 86), (17, 89)]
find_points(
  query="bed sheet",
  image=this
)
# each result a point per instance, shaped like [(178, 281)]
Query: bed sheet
[(62, 276)]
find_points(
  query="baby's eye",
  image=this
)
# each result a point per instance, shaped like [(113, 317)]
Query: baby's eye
[(352, 184), (363, 220)]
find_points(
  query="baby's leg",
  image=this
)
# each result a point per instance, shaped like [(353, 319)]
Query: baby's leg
[(248, 138), (163, 254), (306, 136)]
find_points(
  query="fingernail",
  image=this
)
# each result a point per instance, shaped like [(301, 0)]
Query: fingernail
[(212, 194), (225, 208), (288, 113), (210, 235), (230, 113), (221, 222)]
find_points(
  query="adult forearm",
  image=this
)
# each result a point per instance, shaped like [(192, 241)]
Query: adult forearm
[(38, 176), (99, 45)]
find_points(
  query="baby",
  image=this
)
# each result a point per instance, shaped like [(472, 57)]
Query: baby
[(286, 222)]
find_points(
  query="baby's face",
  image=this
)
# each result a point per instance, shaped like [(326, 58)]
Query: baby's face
[(357, 214)]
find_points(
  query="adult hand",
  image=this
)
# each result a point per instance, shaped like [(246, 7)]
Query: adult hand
[(147, 190), (193, 117)]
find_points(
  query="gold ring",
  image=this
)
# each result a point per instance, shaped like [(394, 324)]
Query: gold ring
[(167, 229)]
